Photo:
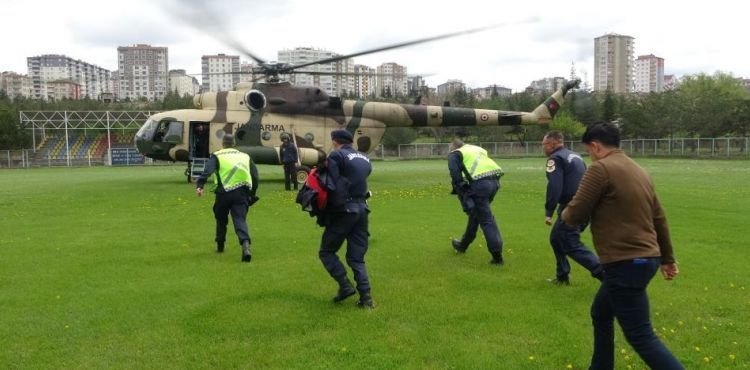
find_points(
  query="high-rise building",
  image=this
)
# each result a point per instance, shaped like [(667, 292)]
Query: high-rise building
[(93, 80), (246, 72), (182, 84), (649, 74), (613, 63), (15, 85), (220, 72), (391, 77), (143, 72), (364, 81), (303, 55)]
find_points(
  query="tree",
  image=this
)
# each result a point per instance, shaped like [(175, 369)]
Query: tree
[(709, 103), (565, 123), (608, 106)]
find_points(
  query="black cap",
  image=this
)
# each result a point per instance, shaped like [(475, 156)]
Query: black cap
[(228, 140), (342, 136)]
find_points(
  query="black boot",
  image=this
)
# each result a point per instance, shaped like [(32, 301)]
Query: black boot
[(365, 301), (219, 247), (458, 246), (246, 256), (497, 258), (346, 290)]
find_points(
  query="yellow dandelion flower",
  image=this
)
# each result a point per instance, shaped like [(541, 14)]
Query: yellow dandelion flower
[(697, 349), (732, 357), (570, 366), (706, 359), (731, 285), (623, 351), (531, 358), (680, 323)]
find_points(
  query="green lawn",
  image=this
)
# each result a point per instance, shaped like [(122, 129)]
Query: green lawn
[(115, 268)]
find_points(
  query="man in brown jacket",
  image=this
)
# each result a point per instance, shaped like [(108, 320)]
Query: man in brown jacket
[(631, 237)]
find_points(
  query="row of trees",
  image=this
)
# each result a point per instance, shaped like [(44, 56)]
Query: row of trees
[(703, 106)]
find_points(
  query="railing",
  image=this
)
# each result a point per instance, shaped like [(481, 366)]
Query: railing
[(733, 147)]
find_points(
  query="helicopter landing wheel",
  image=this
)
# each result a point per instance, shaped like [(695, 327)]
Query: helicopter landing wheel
[(302, 172)]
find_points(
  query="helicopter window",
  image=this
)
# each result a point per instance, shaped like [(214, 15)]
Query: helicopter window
[(255, 100), (146, 132)]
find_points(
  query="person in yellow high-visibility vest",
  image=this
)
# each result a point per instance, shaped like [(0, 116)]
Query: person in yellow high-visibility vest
[(476, 179), (235, 185)]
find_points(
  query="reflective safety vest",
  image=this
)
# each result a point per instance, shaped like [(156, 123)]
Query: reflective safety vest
[(233, 171), (477, 163)]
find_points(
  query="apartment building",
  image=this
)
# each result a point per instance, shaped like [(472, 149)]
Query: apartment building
[(649, 74), (143, 72), (546, 85), (450, 88), (15, 85), (221, 72), (303, 55), (182, 84), (93, 80), (487, 92), (613, 63), (391, 77), (365, 82)]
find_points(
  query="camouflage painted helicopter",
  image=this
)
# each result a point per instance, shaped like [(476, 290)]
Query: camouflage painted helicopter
[(260, 113)]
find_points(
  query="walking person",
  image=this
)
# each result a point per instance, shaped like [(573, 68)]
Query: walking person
[(475, 178), (564, 171), (631, 237), (346, 218), (235, 184)]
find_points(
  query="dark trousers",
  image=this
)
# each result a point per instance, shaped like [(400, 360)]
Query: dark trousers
[(351, 227), (482, 193), (622, 295), (234, 202), (290, 175), (566, 242)]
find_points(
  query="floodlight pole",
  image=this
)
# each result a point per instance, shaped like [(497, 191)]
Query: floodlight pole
[(109, 142)]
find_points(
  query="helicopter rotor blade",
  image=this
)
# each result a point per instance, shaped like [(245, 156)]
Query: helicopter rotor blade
[(204, 19), (399, 45)]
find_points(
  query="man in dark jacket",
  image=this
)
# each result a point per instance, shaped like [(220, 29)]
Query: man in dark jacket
[(347, 218), (289, 158), (564, 172)]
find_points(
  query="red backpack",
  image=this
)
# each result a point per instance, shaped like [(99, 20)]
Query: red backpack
[(313, 195)]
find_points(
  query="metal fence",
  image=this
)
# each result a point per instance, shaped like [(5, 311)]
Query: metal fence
[(732, 147), (27, 158)]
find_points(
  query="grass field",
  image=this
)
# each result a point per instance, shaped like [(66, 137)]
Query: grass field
[(115, 268)]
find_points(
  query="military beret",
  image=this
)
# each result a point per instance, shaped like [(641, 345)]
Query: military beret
[(342, 135), (228, 139)]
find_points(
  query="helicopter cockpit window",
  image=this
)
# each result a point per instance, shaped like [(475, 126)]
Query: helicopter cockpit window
[(255, 100), (147, 131)]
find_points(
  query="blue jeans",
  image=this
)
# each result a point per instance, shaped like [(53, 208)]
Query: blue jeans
[(622, 295)]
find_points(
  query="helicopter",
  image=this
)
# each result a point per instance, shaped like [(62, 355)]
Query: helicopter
[(260, 114)]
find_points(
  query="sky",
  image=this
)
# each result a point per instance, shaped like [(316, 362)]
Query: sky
[(531, 40)]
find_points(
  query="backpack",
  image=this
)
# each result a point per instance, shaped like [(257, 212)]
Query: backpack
[(313, 195)]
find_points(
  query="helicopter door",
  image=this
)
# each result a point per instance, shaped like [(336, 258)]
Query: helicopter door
[(199, 139)]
